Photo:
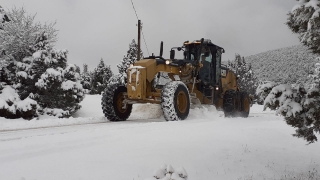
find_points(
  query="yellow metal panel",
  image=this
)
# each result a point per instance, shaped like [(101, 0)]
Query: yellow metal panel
[(153, 68), (136, 85), (229, 81), (203, 99), (150, 65), (167, 68)]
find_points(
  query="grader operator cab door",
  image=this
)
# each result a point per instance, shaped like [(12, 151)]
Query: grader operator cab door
[(210, 73), (206, 73), (210, 57)]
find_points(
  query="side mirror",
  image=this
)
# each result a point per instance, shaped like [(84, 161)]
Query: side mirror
[(172, 54)]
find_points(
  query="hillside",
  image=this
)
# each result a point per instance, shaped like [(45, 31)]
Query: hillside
[(285, 65)]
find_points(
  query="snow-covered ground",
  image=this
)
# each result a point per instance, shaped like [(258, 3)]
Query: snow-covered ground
[(206, 145)]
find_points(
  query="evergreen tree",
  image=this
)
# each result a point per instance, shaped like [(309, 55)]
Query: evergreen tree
[(299, 106), (36, 72), (263, 91), (78, 69), (130, 58), (107, 75), (85, 68), (3, 17), (304, 20), (246, 79), (86, 78), (100, 77)]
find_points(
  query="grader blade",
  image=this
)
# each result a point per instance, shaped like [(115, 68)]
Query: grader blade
[(195, 102)]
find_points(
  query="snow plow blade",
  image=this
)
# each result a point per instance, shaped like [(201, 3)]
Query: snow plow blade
[(195, 102)]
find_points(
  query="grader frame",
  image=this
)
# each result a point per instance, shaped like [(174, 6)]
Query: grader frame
[(198, 78)]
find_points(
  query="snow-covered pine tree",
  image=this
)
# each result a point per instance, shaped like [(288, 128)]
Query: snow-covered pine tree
[(130, 58), (246, 78), (18, 38), (299, 106), (36, 72), (100, 77), (97, 78), (86, 78), (263, 91), (59, 89), (85, 68), (107, 75), (3, 17), (304, 19), (78, 70)]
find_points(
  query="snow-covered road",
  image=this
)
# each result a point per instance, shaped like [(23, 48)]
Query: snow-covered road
[(207, 145)]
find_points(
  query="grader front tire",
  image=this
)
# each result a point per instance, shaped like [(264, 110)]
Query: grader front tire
[(112, 103), (175, 101)]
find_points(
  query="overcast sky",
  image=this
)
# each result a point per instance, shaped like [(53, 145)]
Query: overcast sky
[(97, 29)]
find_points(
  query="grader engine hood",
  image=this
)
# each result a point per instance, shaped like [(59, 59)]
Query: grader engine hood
[(149, 64)]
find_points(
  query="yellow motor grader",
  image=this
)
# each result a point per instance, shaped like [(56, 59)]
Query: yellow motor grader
[(178, 84)]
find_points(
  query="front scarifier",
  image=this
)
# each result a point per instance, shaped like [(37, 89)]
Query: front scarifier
[(175, 101), (113, 105)]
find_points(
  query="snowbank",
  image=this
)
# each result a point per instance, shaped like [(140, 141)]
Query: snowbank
[(91, 112)]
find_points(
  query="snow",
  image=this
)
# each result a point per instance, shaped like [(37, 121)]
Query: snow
[(67, 85), (285, 102), (164, 78), (206, 145), (166, 172), (10, 100), (135, 69), (25, 104), (53, 72), (9, 94), (37, 55), (22, 74)]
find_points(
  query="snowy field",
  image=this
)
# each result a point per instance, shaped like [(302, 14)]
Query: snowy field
[(207, 145)]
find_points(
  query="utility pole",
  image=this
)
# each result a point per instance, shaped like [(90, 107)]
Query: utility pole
[(139, 45)]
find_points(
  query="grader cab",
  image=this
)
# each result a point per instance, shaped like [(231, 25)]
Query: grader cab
[(178, 84)]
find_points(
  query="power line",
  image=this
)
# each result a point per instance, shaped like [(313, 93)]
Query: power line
[(141, 28), (134, 9), (145, 42)]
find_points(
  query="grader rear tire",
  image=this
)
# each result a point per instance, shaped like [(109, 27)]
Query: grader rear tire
[(112, 103), (245, 104), (175, 101), (230, 103)]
